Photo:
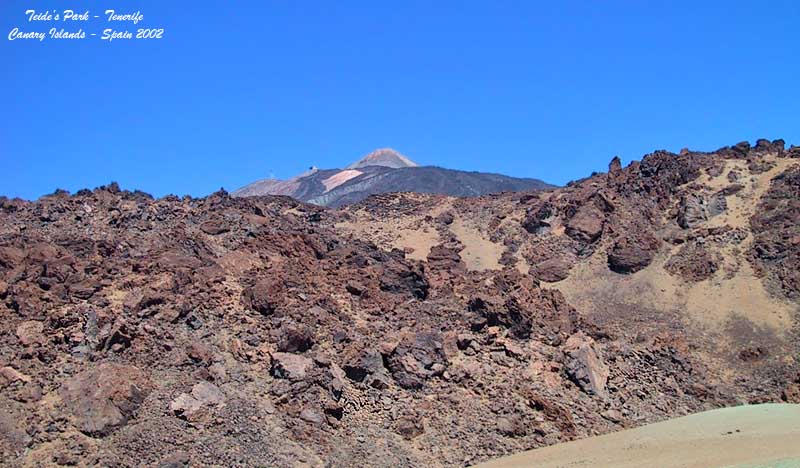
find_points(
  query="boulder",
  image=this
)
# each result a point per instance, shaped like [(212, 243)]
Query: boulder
[(692, 211), (634, 253), (264, 296), (409, 427), (367, 366), (446, 218), (537, 220), (312, 416), (791, 394), (585, 366), (290, 366), (552, 270), (194, 406), (445, 258), (401, 278), (418, 357), (31, 333), (586, 225), (175, 460), (512, 426), (105, 397), (214, 227), (85, 289), (612, 415), (296, 339), (9, 375)]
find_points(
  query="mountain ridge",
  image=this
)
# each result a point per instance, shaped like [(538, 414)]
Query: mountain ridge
[(382, 171)]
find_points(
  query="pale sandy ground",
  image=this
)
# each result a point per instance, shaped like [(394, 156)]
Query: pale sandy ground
[(479, 252), (742, 437)]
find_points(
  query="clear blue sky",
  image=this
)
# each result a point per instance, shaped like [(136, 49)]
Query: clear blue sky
[(542, 89)]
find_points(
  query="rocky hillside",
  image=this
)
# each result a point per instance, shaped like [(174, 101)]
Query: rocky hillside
[(404, 330), (385, 171)]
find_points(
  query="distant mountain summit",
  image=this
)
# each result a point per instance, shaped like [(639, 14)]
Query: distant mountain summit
[(381, 171), (385, 157)]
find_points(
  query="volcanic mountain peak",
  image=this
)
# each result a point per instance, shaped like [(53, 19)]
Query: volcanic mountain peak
[(383, 171), (386, 157)]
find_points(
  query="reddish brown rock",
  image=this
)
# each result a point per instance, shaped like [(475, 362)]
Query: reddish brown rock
[(9, 375), (791, 394), (418, 357), (214, 227), (296, 339), (264, 297), (586, 225), (551, 270), (512, 426), (105, 397), (633, 252), (31, 333), (249, 296)]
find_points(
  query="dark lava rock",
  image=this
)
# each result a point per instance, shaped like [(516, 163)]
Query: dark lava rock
[(418, 357), (552, 270), (632, 253)]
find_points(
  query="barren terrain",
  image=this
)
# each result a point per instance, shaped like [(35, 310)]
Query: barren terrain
[(404, 330)]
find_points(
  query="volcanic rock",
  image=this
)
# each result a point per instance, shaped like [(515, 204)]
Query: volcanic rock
[(586, 225), (551, 270), (693, 211), (193, 407), (512, 426), (418, 357), (290, 366), (503, 329), (410, 427), (632, 253), (30, 333), (585, 367), (105, 397)]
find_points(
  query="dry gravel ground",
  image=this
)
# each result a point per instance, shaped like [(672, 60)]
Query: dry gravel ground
[(743, 436)]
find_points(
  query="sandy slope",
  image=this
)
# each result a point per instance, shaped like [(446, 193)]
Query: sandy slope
[(744, 436)]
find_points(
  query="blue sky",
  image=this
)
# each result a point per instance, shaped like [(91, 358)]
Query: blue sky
[(542, 89)]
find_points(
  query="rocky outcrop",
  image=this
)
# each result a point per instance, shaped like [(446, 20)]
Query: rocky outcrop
[(776, 227), (290, 366), (267, 331), (693, 212)]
